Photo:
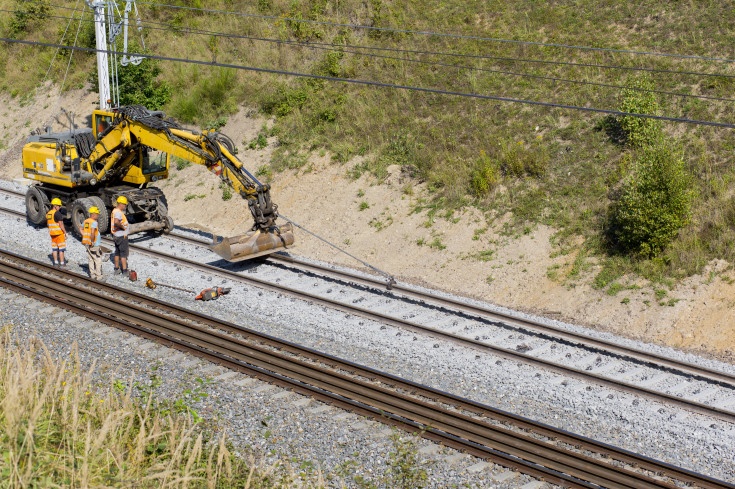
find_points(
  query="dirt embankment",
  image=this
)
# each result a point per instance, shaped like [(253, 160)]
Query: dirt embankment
[(378, 223)]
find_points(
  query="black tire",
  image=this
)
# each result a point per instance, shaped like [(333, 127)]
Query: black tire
[(37, 205), (79, 214), (103, 220)]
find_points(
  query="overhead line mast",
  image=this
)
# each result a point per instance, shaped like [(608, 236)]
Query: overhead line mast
[(100, 34)]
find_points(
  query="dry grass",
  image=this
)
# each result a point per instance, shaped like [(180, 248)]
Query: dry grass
[(57, 429)]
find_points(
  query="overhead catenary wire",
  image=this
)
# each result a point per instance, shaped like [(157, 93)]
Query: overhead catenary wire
[(61, 90), (63, 36), (434, 91), (460, 55), (340, 48), (438, 34)]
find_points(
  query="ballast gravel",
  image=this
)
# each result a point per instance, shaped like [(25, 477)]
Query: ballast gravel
[(273, 421)]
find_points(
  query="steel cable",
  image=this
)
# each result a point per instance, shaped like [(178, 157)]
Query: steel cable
[(389, 85)]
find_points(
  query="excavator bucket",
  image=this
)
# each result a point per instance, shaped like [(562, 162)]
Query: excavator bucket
[(254, 244)]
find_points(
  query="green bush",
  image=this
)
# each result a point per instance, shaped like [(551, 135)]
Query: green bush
[(653, 203), (485, 175), (139, 84), (205, 99), (639, 131), (521, 159), (226, 191), (25, 14)]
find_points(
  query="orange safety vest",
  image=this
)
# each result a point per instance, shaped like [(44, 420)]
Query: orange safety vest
[(53, 227), (124, 221), (89, 233)]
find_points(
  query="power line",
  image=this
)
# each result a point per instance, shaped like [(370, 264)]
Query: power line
[(438, 34), (460, 55), (62, 40), (385, 85), (340, 48)]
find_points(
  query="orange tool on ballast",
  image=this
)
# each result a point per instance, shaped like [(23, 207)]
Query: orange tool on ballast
[(213, 293)]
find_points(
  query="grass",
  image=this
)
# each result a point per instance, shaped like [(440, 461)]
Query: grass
[(61, 428), (555, 167), (58, 428)]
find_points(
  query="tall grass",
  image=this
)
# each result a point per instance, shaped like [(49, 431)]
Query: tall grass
[(59, 429)]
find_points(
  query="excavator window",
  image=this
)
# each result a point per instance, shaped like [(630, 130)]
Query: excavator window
[(103, 122), (154, 161)]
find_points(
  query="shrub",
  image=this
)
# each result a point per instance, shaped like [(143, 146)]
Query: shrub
[(519, 159), (226, 191), (25, 14), (181, 163), (138, 84), (653, 203), (485, 175), (639, 131)]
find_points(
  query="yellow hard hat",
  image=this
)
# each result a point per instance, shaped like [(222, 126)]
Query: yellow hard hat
[(56, 201), (122, 200), (94, 210)]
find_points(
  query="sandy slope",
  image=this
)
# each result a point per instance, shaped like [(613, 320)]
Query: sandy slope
[(387, 234)]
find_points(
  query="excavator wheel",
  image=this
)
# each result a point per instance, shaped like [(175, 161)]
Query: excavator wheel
[(79, 214), (103, 220), (37, 205)]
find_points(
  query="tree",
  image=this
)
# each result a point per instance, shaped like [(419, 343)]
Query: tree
[(654, 201)]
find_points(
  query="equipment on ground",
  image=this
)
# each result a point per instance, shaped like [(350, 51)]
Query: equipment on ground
[(152, 285), (127, 149), (132, 275), (213, 293)]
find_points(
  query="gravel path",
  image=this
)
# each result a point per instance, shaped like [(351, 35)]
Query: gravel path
[(317, 433)]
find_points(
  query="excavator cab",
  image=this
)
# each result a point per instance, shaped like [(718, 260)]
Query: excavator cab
[(100, 123)]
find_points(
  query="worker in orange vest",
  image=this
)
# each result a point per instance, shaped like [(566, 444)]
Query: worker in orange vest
[(119, 229), (56, 229), (91, 241)]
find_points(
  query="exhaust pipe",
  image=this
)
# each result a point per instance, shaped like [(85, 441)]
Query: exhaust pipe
[(254, 243)]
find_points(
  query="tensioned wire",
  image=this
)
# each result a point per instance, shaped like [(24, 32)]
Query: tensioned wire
[(339, 48), (385, 85), (63, 36), (474, 56), (71, 55), (428, 33)]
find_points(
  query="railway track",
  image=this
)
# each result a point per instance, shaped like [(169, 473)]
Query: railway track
[(568, 353), (533, 448)]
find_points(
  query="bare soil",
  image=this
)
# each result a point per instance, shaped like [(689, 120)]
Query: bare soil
[(377, 223)]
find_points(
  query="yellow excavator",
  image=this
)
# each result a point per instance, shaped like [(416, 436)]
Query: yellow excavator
[(126, 150)]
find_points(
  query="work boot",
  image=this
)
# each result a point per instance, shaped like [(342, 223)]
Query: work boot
[(117, 271), (126, 273)]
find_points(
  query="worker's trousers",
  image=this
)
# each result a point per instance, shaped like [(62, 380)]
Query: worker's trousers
[(95, 262)]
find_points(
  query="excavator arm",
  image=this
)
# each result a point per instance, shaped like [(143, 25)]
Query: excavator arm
[(129, 128)]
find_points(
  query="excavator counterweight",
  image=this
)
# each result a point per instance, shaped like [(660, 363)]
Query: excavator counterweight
[(129, 148)]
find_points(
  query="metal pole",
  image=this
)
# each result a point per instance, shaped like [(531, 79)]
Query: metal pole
[(100, 34)]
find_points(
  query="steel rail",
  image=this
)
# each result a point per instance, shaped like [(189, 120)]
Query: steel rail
[(480, 311), (431, 332), (126, 306)]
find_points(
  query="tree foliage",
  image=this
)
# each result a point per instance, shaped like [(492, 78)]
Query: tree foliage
[(654, 202), (639, 131), (139, 84)]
